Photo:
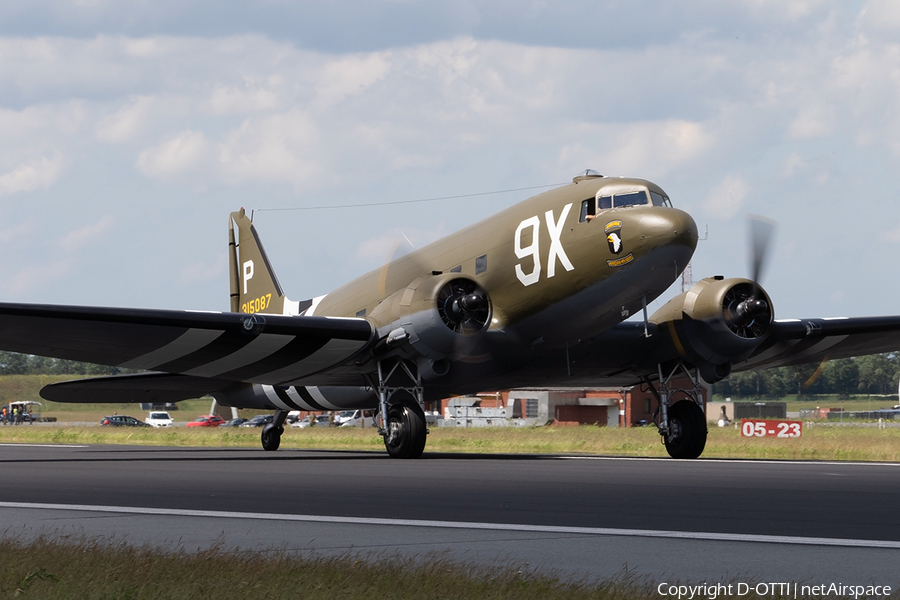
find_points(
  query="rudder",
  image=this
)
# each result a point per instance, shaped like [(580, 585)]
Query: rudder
[(254, 286)]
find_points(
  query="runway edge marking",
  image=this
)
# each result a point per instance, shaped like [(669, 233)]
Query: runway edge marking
[(649, 533)]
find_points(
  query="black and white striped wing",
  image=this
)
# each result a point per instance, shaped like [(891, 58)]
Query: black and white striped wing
[(257, 348), (799, 341)]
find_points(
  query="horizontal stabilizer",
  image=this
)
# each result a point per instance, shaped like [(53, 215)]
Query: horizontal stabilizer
[(154, 388)]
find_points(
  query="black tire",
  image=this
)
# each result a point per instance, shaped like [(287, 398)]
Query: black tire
[(687, 430), (271, 437), (405, 432)]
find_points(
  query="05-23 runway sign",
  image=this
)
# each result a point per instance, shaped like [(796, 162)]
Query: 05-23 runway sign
[(770, 428)]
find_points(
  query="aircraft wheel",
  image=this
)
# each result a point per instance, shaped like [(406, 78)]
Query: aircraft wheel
[(405, 433), (687, 430), (271, 437)]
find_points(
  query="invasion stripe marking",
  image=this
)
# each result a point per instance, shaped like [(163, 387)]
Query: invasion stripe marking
[(304, 394), (188, 342), (263, 346), (227, 343), (329, 354), (648, 533), (320, 398), (272, 395), (299, 350), (283, 395), (293, 395)]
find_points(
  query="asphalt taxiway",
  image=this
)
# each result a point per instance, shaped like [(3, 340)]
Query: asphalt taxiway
[(703, 520)]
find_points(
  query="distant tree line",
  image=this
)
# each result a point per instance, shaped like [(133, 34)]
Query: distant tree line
[(13, 363), (874, 374)]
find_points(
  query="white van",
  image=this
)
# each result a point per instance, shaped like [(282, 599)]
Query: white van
[(158, 419), (360, 418)]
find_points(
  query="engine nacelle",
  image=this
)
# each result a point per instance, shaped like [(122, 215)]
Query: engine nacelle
[(440, 317), (717, 322)]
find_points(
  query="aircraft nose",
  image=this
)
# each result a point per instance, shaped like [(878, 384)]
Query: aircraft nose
[(669, 226)]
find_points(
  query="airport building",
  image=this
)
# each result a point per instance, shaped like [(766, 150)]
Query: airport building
[(603, 406)]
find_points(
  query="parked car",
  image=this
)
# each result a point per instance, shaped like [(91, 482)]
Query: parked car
[(207, 421), (342, 416), (159, 419), (122, 421), (259, 421), (360, 418), (234, 422), (320, 420)]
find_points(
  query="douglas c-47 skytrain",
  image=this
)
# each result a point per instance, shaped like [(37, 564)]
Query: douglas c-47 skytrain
[(536, 295)]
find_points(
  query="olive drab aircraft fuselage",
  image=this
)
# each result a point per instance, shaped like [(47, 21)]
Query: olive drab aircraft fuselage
[(540, 294)]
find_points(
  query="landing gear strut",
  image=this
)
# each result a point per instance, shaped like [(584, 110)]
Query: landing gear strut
[(681, 423), (403, 421), (271, 433)]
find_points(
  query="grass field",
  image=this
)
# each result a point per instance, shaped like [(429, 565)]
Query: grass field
[(88, 570), (818, 443)]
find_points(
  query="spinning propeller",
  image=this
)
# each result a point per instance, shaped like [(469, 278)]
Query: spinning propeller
[(747, 309)]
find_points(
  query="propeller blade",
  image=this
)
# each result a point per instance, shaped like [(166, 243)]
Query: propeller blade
[(761, 230)]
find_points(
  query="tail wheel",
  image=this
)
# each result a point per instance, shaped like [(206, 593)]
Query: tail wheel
[(405, 432), (687, 430)]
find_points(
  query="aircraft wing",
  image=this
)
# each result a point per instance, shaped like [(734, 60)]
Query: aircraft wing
[(225, 347), (798, 341), (623, 355)]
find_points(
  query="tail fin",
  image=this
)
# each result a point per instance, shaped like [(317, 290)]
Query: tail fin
[(254, 287)]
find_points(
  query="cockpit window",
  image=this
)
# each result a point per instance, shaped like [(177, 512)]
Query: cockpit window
[(660, 200), (631, 199), (587, 210), (604, 202)]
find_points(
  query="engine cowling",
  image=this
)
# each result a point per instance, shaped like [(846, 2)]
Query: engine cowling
[(440, 316), (717, 322)]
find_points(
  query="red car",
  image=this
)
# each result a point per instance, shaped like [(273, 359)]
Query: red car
[(207, 421)]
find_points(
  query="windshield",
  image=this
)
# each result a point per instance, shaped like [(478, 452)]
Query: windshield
[(631, 199)]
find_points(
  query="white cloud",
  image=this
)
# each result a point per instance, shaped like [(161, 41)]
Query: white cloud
[(225, 100), (36, 276), (174, 156), (881, 16), (727, 199), (350, 76), (645, 147), (201, 270), (127, 122), (812, 122), (86, 235), (29, 176), (283, 147)]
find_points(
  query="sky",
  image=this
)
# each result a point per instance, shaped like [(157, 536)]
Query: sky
[(129, 132)]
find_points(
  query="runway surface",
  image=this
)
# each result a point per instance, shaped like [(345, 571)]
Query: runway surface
[(696, 521)]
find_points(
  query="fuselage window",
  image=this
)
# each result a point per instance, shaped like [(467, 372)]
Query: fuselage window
[(587, 210), (660, 200), (481, 264), (604, 202), (631, 199)]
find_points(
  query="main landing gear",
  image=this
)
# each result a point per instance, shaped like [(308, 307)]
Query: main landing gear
[(402, 421), (680, 418), (271, 433)]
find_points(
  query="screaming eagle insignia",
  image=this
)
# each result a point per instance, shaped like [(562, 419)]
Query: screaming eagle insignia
[(613, 236)]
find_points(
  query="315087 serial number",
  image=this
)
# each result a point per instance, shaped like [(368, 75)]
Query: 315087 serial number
[(771, 428), (257, 304)]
